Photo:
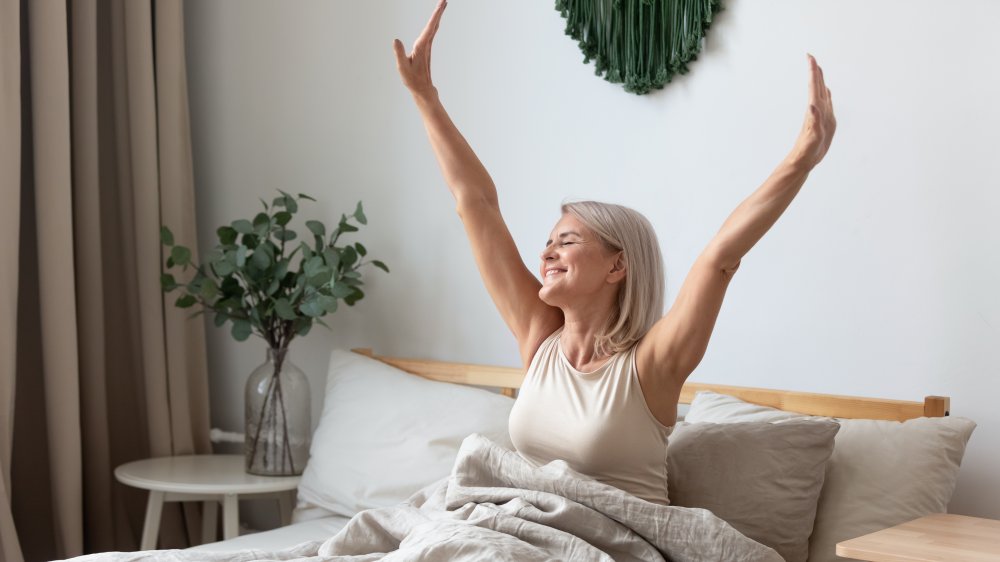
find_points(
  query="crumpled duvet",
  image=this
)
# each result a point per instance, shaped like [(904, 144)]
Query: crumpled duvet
[(498, 506)]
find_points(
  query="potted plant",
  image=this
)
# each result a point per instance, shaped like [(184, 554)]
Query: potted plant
[(265, 280)]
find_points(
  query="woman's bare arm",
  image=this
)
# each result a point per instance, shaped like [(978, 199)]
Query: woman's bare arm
[(677, 342), (511, 285)]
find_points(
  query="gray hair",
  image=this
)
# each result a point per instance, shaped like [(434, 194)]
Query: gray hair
[(640, 298)]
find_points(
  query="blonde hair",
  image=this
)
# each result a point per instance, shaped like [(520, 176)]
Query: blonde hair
[(640, 297)]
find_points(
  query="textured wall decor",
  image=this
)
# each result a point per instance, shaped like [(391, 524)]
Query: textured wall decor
[(641, 44)]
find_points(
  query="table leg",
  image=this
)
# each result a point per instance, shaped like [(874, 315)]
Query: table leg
[(230, 517), (151, 527), (209, 520), (285, 507)]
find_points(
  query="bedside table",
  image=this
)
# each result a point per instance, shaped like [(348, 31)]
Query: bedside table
[(212, 479), (939, 537)]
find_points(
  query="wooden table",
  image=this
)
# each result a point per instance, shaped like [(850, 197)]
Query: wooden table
[(939, 537), (212, 479)]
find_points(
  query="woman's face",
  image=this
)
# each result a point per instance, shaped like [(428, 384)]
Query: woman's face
[(576, 265)]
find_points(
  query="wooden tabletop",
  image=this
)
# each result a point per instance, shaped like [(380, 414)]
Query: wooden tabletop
[(938, 537)]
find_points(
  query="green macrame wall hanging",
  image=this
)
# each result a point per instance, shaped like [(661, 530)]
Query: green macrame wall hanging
[(641, 44)]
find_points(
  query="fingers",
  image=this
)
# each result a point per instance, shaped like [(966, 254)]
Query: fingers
[(400, 50), (427, 35), (816, 85)]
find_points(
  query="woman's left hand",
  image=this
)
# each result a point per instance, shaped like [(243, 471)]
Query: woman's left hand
[(819, 125)]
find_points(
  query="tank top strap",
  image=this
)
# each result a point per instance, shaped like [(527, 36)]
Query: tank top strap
[(548, 346)]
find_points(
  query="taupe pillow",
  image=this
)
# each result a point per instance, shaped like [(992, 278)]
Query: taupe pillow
[(763, 478), (882, 473)]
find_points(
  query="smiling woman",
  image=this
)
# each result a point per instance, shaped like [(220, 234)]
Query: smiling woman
[(604, 366)]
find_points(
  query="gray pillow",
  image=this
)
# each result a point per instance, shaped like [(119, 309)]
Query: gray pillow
[(882, 473), (763, 478)]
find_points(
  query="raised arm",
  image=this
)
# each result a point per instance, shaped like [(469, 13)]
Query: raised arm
[(511, 285), (677, 342)]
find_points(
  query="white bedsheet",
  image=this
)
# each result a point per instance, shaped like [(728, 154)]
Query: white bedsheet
[(282, 537)]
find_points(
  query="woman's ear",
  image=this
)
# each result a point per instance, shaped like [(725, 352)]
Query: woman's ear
[(619, 269)]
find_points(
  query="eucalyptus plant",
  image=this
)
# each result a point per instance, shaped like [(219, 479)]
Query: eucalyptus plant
[(265, 280)]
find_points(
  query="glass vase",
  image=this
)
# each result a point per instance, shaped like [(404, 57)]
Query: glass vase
[(278, 422)]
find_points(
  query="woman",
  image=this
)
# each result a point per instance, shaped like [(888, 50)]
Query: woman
[(604, 370)]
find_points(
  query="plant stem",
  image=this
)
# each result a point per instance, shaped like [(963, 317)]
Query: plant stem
[(270, 411)]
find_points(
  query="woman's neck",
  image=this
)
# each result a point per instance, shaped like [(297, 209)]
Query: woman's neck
[(579, 337)]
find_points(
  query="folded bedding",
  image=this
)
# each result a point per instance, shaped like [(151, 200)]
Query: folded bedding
[(496, 505)]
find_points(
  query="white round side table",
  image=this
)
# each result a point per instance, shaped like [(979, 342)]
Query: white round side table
[(212, 479)]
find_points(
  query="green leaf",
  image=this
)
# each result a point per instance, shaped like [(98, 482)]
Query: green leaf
[(241, 256), (227, 235), (180, 255), (285, 235), (170, 262), (220, 318), (213, 255), (278, 201), (321, 278), (166, 237), (284, 309), (282, 218), (361, 249), (281, 269), (312, 266), (341, 290), (360, 214), (332, 258), (306, 251), (243, 226), (232, 303), (262, 219), (302, 326), (348, 256), (290, 203), (209, 290), (316, 227), (344, 226), (380, 265), (230, 286), (329, 303), (251, 241), (354, 297), (304, 196), (224, 268), (274, 286), (167, 282), (241, 329), (312, 307), (260, 259), (185, 301), (264, 203)]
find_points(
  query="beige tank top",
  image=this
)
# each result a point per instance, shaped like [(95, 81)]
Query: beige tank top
[(597, 422)]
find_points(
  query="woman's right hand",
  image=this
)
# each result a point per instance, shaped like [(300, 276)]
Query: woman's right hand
[(415, 68)]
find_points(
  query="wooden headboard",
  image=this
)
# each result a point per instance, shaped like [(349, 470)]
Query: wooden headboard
[(508, 380)]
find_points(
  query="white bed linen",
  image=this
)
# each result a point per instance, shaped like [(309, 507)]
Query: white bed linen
[(282, 537)]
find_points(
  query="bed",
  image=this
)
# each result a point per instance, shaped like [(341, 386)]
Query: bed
[(796, 472)]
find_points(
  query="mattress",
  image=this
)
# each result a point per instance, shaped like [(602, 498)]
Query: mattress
[(282, 537)]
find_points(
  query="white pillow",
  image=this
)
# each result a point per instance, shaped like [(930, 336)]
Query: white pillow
[(385, 433), (881, 473)]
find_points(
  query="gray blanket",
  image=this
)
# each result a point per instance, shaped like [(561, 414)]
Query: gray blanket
[(498, 506)]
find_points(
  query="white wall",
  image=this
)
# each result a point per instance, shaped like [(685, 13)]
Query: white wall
[(882, 279)]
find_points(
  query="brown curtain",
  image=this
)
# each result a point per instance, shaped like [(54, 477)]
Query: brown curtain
[(97, 367)]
